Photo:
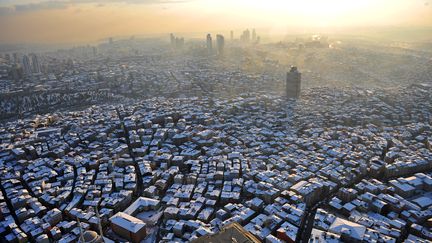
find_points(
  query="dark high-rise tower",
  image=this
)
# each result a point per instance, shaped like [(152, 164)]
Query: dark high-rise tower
[(245, 36), (172, 40), (293, 83), (8, 57), (26, 65), (220, 40), (94, 49), (232, 35), (254, 35), (35, 64), (15, 58), (209, 44)]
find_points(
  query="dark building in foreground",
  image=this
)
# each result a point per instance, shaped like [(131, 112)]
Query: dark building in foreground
[(293, 83)]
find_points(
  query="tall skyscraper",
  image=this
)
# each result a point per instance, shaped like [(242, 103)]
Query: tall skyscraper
[(94, 50), (16, 72), (35, 64), (293, 83), (172, 40), (245, 37), (220, 44), (7, 57), (26, 65), (15, 57), (253, 35), (209, 44), (232, 35)]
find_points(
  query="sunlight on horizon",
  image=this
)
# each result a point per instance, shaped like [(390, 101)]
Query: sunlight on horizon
[(92, 20)]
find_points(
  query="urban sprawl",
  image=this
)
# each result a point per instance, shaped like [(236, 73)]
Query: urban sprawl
[(207, 141)]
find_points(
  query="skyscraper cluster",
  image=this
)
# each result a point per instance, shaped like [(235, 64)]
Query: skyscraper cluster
[(31, 64), (220, 44), (247, 37), (176, 42)]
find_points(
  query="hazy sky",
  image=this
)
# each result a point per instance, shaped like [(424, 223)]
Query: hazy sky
[(68, 21)]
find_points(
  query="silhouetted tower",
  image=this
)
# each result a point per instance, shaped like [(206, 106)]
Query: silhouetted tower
[(254, 35), (8, 57), (15, 57), (245, 36), (35, 64), (293, 83), (209, 44), (172, 40), (94, 49), (220, 44), (16, 72), (232, 35), (26, 65)]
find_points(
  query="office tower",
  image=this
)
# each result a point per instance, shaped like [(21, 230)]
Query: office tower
[(232, 35), (94, 51), (26, 65), (35, 64), (209, 44), (15, 57), (15, 72), (293, 83), (172, 40), (220, 44), (111, 40), (253, 35), (245, 37), (8, 57)]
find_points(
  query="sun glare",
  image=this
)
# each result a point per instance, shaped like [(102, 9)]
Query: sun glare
[(306, 12)]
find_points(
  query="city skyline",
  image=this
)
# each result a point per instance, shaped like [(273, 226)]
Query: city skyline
[(93, 20)]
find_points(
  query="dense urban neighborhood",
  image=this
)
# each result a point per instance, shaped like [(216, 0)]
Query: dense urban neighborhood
[(183, 147)]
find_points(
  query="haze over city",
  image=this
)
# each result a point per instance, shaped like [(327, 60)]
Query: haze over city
[(92, 20), (259, 121)]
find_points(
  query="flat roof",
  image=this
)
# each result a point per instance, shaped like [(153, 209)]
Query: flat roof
[(127, 222), (357, 231)]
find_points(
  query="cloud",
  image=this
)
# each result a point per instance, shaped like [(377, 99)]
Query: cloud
[(40, 6), (62, 4)]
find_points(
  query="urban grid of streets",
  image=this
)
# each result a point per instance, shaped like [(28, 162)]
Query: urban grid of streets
[(223, 146)]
